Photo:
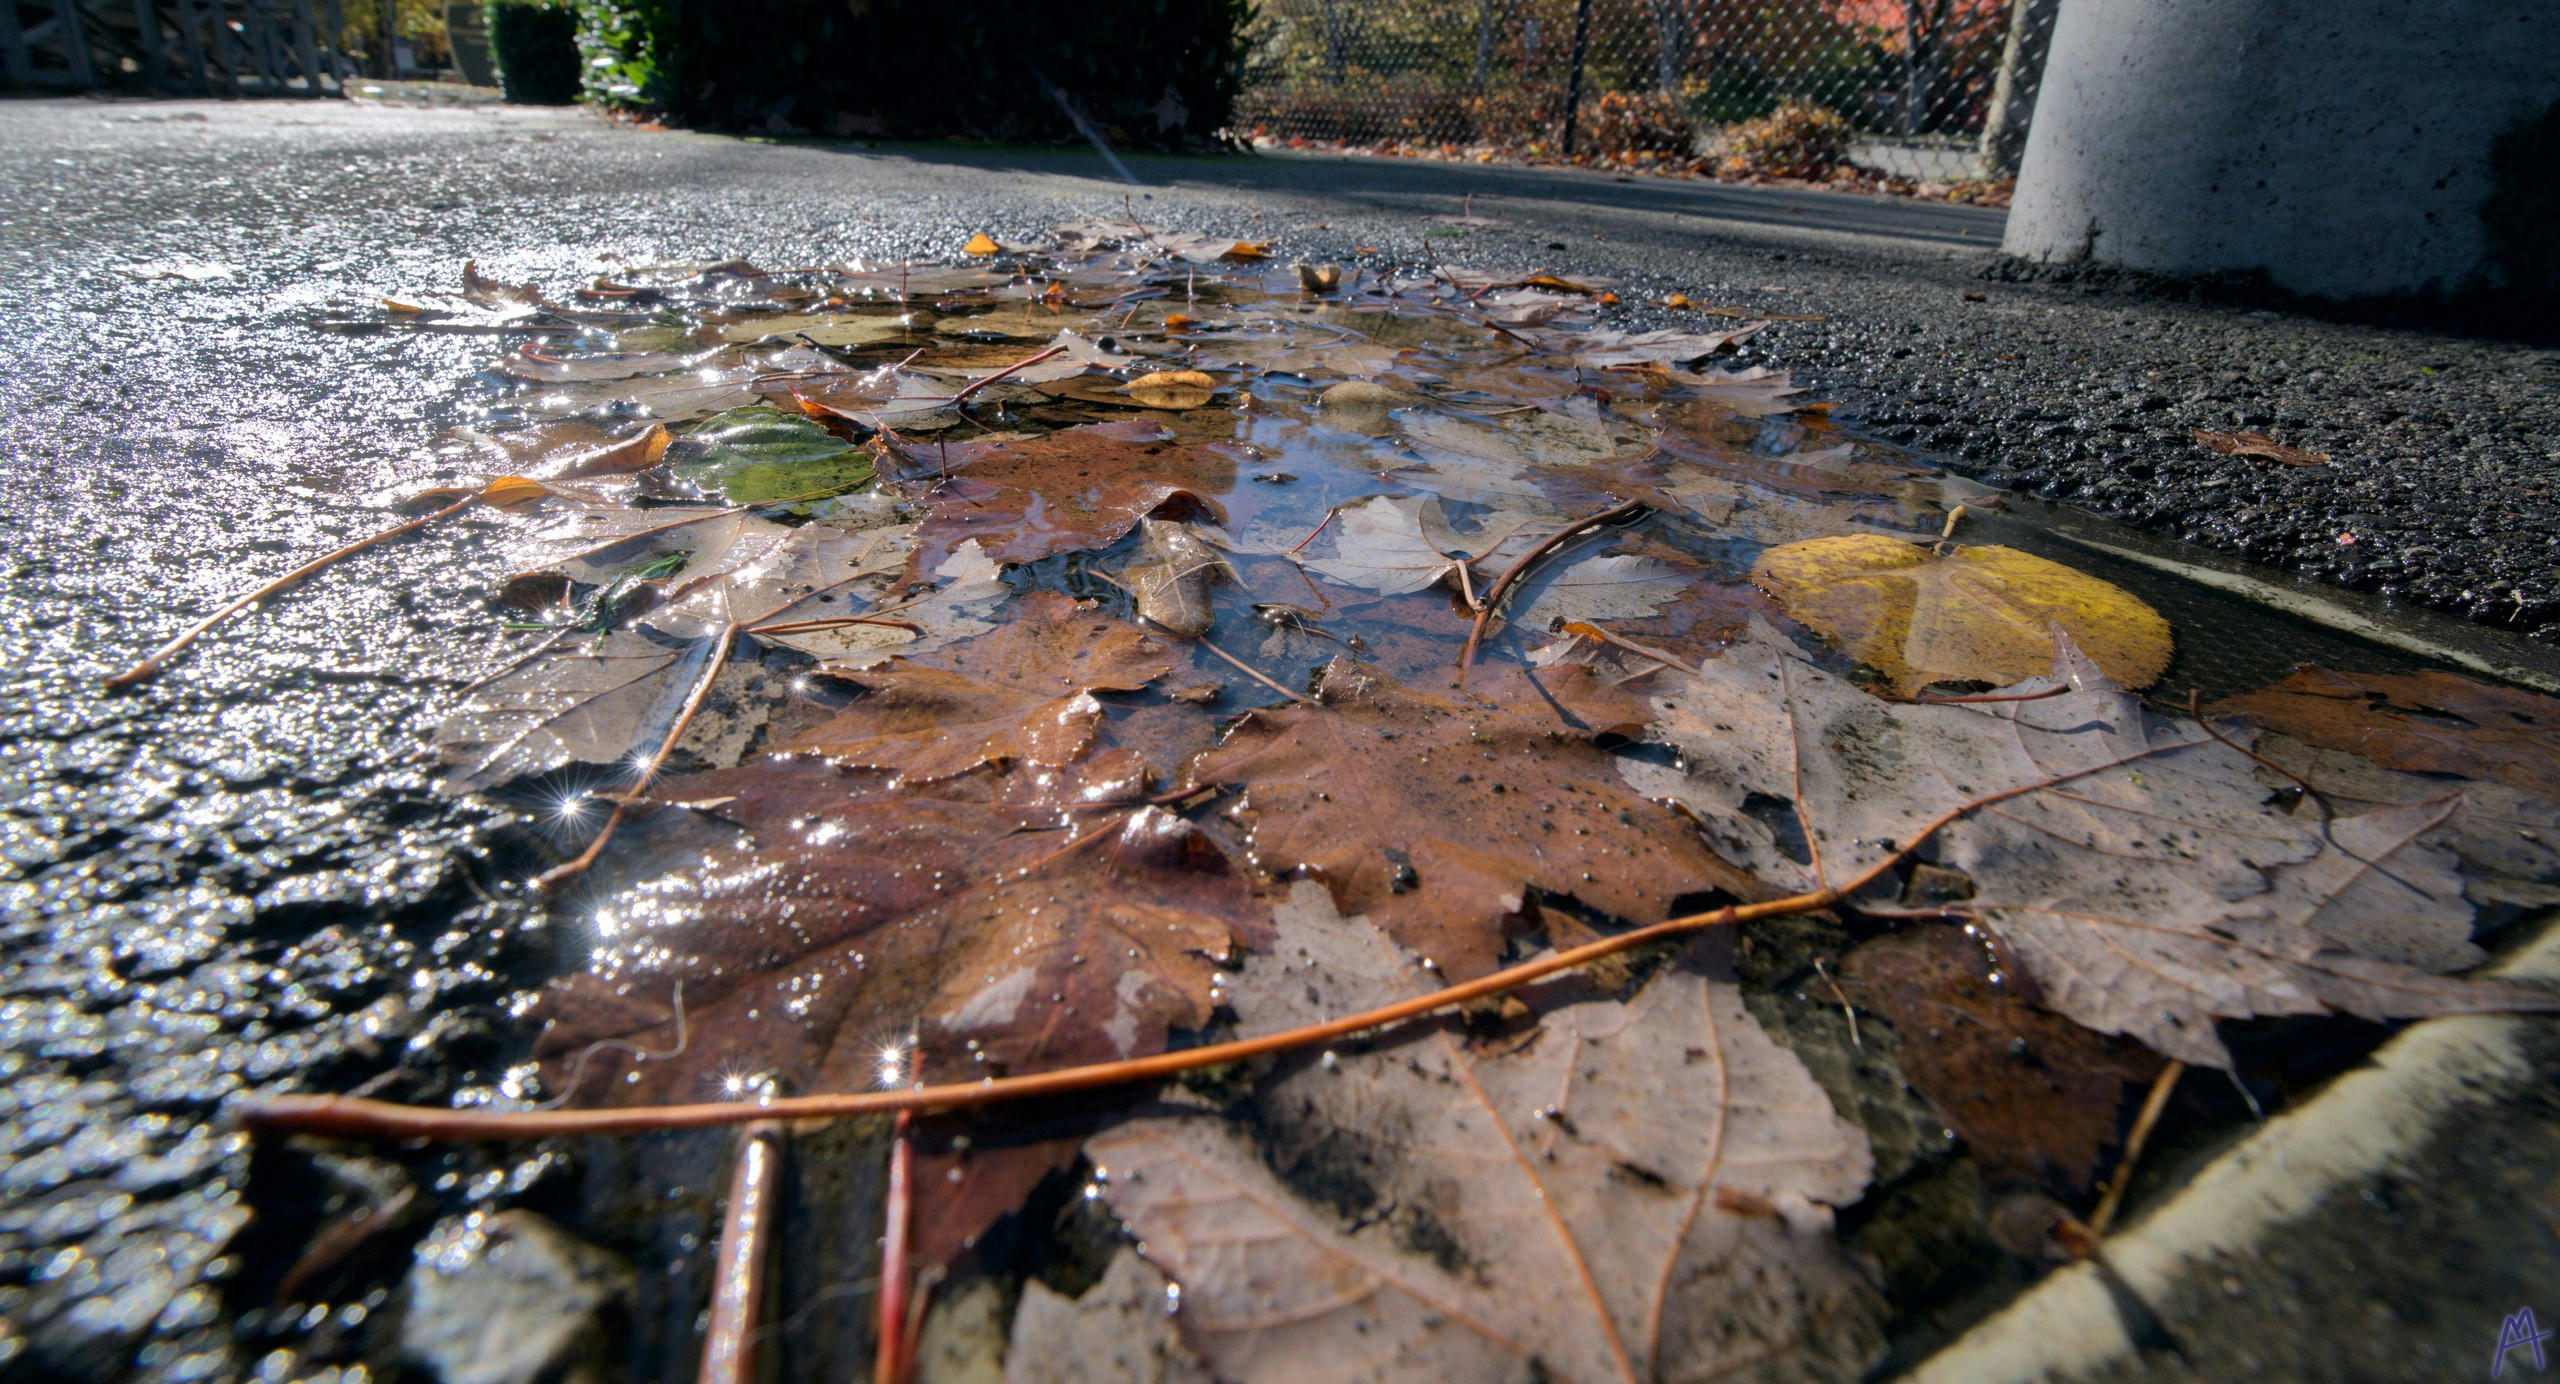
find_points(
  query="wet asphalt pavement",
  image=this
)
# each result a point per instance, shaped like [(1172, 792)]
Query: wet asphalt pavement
[(239, 877)]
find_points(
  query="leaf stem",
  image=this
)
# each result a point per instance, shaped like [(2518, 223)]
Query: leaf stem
[(1027, 362)]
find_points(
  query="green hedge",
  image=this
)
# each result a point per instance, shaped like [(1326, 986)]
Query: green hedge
[(535, 46), (1146, 72)]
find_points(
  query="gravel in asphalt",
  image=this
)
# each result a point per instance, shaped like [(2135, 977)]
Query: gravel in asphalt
[(240, 877)]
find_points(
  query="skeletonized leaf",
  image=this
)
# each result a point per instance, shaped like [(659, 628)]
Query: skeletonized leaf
[(1636, 1192), (2137, 866), (1977, 614)]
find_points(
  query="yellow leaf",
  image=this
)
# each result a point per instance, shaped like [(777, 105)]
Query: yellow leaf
[(395, 305), (1178, 322), (507, 491), (1678, 300), (1977, 614), (1248, 250), (981, 244), (1172, 389)]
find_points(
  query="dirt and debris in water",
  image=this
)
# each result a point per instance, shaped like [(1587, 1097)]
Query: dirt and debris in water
[(904, 639)]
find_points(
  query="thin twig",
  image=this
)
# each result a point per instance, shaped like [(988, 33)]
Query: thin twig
[(2054, 691), (738, 1274), (1585, 627), (150, 668), (1254, 673), (560, 874), (1845, 1007), (2161, 1086), (891, 1360), (349, 1117), (1511, 576), (957, 399), (1320, 528)]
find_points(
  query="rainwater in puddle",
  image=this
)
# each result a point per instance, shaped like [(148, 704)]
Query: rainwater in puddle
[(1128, 644)]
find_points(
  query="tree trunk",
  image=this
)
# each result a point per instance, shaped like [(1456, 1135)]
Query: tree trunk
[(1670, 43), (2013, 96)]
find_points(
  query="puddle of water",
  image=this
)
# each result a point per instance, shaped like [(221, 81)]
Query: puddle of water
[(1413, 390)]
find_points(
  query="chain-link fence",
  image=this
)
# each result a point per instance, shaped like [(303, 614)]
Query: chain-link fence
[(1926, 89)]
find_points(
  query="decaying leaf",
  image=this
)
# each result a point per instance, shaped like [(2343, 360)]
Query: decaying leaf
[(852, 914), (1081, 487), (1174, 576), (2036, 1097), (1119, 1332), (1020, 693), (2257, 445), (1392, 545), (1635, 1192), (1982, 614), (2137, 866), (1468, 804), (2432, 723), (1598, 586)]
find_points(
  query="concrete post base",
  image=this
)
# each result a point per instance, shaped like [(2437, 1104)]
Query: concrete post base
[(2341, 146)]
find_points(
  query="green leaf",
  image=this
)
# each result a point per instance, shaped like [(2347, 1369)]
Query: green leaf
[(760, 453)]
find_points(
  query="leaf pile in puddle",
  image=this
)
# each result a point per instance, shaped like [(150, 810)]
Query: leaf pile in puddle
[(1045, 660)]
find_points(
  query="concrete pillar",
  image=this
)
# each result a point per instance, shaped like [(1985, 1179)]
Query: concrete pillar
[(2342, 146)]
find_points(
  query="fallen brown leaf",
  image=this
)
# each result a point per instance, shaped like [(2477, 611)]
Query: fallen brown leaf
[(1466, 804), (2433, 723)]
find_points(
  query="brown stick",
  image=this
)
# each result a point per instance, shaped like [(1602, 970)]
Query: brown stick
[(891, 1360), (738, 1275), (1320, 528), (568, 870), (1023, 364), (1667, 660), (352, 1117), (149, 668), (1256, 674), (1502, 584), (348, 1117), (2158, 1100)]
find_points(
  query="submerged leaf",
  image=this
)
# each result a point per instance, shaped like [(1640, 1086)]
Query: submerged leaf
[(851, 915), (1024, 499), (1172, 580), (1632, 1192), (2035, 1096), (1392, 545), (1021, 692), (2432, 723), (1467, 807), (760, 453), (2137, 866), (1983, 614)]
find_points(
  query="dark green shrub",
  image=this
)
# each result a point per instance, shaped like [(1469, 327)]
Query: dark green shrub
[(535, 46), (1147, 72)]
